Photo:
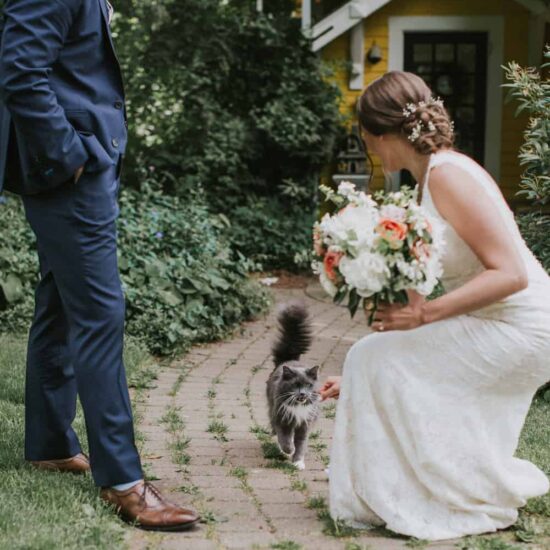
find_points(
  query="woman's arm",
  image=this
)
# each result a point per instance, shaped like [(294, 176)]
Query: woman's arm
[(472, 213)]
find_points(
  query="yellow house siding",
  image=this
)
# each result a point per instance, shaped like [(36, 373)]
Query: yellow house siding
[(376, 29)]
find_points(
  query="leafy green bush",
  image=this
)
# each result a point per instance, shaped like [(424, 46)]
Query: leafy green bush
[(182, 281), (235, 100), (528, 86), (535, 228), (267, 231), (18, 267), (532, 91)]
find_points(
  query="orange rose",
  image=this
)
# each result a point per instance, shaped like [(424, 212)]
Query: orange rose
[(392, 230), (331, 261)]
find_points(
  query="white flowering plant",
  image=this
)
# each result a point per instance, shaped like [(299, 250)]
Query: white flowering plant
[(375, 249)]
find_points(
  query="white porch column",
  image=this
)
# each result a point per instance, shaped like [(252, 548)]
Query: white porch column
[(306, 14), (357, 56)]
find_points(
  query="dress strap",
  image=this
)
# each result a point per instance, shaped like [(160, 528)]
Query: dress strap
[(468, 165)]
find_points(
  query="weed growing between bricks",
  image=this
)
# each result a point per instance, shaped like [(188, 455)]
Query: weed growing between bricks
[(220, 430), (331, 527), (175, 426)]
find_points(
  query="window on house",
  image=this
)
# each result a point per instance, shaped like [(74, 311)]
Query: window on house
[(454, 65)]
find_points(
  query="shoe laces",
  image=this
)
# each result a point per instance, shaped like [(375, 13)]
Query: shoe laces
[(149, 487)]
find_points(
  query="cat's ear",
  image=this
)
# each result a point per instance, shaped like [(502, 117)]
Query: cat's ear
[(288, 373), (313, 372)]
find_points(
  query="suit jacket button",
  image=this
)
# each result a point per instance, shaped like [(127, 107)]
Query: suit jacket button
[(114, 141), (119, 104)]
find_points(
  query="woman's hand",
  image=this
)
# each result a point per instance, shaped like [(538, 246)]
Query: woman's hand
[(331, 388), (399, 316)]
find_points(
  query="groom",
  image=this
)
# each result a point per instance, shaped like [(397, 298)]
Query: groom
[(63, 133)]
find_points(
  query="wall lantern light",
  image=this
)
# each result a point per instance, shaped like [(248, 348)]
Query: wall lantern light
[(374, 55)]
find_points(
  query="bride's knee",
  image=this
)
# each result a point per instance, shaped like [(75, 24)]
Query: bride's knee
[(369, 350)]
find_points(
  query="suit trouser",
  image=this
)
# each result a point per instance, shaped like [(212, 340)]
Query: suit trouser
[(76, 338)]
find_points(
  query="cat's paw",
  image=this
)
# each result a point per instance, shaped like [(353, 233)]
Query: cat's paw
[(299, 464), (287, 450)]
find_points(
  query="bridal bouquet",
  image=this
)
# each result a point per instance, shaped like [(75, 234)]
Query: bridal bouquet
[(376, 250)]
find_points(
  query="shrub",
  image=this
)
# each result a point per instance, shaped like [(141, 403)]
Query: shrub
[(532, 91), (528, 86), (182, 282), (235, 100), (18, 267)]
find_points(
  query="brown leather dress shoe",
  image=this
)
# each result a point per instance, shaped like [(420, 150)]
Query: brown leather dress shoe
[(145, 507), (78, 464)]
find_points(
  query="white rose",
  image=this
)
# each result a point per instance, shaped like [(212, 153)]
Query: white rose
[(368, 273), (346, 188), (393, 212)]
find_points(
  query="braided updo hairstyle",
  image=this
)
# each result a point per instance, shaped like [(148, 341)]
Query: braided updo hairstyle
[(383, 109)]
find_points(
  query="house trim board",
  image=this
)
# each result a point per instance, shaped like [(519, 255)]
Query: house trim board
[(494, 26)]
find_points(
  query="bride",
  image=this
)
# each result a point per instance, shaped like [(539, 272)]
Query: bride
[(431, 404)]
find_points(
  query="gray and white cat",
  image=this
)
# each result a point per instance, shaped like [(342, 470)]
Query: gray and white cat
[(292, 387)]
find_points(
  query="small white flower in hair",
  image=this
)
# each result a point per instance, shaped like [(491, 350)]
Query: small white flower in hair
[(415, 133), (409, 110), (431, 126)]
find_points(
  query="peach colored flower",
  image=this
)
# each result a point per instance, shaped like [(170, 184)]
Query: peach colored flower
[(331, 261), (392, 230), (420, 249)]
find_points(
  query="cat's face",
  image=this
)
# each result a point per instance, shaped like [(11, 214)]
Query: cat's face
[(299, 385)]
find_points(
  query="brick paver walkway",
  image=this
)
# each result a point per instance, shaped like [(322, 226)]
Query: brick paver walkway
[(205, 423)]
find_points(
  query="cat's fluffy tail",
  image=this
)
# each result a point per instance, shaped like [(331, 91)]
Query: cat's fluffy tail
[(294, 333)]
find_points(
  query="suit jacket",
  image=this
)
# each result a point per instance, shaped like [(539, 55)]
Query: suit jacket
[(61, 93)]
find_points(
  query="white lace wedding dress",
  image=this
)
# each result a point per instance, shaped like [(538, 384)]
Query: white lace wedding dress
[(428, 420)]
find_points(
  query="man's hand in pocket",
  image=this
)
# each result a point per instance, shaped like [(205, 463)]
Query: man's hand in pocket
[(78, 173)]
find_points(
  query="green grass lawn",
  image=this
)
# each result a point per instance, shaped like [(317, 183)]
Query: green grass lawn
[(49, 511)]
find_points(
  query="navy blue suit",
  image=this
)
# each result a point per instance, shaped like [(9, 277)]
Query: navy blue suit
[(63, 108)]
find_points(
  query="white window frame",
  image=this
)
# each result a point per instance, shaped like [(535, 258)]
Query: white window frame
[(494, 26)]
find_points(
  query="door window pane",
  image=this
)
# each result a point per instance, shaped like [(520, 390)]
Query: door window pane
[(444, 85), (422, 53), (466, 57), (444, 53)]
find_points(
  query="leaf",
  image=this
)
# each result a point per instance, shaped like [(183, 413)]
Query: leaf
[(341, 294), (123, 263), (155, 268), (354, 301), (218, 281), (12, 288), (171, 297)]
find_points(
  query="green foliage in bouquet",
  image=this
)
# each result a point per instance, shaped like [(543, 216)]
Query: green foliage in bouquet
[(235, 100), (387, 245)]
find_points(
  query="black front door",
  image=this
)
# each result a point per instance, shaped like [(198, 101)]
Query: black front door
[(454, 65)]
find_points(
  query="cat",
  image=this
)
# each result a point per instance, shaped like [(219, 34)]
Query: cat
[(292, 387)]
